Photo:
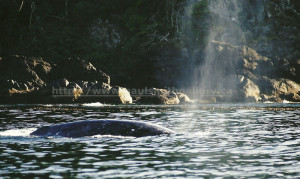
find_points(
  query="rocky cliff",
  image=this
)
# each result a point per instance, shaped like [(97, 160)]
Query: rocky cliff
[(255, 77), (34, 80), (153, 43)]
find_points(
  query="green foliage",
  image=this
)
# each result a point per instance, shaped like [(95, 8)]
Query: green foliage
[(58, 31), (199, 26), (200, 10)]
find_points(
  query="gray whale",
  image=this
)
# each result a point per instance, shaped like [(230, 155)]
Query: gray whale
[(102, 127)]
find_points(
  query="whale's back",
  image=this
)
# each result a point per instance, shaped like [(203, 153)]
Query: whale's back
[(102, 127)]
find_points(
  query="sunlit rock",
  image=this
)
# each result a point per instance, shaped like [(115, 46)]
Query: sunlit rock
[(75, 90), (279, 89), (60, 83), (255, 77), (18, 74), (183, 98), (159, 96), (251, 91), (120, 95)]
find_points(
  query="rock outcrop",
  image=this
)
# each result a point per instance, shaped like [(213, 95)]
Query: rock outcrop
[(19, 74), (34, 80), (254, 77), (75, 69), (163, 96), (183, 98)]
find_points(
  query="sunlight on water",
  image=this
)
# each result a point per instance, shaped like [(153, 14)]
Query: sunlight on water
[(213, 141)]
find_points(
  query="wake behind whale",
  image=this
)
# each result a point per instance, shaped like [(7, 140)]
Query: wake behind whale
[(102, 127)]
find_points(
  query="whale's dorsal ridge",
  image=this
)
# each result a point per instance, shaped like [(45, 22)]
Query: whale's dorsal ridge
[(102, 127)]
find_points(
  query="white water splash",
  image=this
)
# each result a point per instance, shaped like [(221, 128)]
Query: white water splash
[(268, 102), (93, 104), (48, 105), (111, 136), (286, 102), (17, 132)]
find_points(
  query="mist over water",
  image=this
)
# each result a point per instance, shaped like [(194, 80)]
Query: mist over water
[(219, 23), (225, 21)]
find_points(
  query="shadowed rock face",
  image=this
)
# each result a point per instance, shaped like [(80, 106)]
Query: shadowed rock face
[(102, 127), (33, 80)]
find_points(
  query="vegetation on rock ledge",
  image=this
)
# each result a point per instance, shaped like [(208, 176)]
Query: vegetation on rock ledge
[(56, 30)]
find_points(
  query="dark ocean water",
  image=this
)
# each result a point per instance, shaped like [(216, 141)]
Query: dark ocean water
[(220, 140)]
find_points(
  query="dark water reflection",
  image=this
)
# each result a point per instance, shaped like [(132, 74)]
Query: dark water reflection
[(242, 140)]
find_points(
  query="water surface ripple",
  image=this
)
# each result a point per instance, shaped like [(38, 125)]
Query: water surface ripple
[(225, 140)]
